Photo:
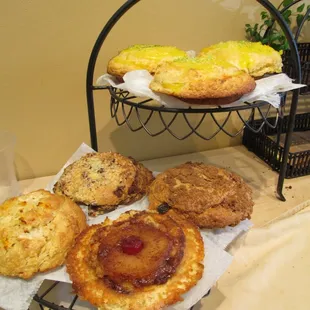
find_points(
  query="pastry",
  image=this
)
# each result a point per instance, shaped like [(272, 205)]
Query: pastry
[(202, 80), (36, 232), (251, 57), (103, 181), (138, 57), (211, 197), (142, 260)]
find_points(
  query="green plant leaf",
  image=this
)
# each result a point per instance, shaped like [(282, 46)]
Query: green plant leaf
[(300, 8), (287, 14), (247, 25), (268, 22), (264, 14), (287, 3), (299, 19), (275, 37)]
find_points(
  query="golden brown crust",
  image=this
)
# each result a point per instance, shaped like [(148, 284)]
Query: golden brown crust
[(200, 78), (213, 101), (89, 286), (104, 181), (209, 196), (36, 232)]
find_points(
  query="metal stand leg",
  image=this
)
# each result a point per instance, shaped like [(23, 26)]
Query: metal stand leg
[(287, 144), (92, 121)]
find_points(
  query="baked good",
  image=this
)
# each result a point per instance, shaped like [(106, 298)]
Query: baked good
[(142, 260), (138, 57), (202, 80), (103, 181), (211, 197), (251, 57), (36, 232)]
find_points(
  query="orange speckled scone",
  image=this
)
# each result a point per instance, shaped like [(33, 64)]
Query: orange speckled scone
[(103, 181), (36, 232), (211, 197), (202, 78), (142, 56), (142, 260)]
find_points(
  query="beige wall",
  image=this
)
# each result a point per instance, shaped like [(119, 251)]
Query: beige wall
[(45, 46)]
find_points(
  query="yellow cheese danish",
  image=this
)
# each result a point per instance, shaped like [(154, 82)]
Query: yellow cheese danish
[(138, 57), (251, 57)]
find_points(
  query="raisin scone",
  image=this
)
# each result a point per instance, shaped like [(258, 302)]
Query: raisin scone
[(211, 197), (36, 232), (142, 260), (103, 181)]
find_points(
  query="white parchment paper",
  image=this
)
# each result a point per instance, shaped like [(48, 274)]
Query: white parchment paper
[(137, 83), (16, 294)]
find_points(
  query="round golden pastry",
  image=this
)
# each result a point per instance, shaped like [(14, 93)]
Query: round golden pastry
[(202, 79), (138, 57), (36, 232), (103, 181), (211, 197), (253, 58), (142, 260)]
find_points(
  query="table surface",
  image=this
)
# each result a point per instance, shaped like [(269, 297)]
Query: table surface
[(255, 172)]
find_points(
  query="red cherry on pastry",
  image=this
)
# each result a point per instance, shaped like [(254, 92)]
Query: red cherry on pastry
[(132, 245)]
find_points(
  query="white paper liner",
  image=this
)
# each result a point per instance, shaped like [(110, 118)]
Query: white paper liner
[(137, 83), (16, 294)]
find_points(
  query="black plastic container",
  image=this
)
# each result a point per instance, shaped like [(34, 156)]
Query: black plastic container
[(304, 53), (271, 151)]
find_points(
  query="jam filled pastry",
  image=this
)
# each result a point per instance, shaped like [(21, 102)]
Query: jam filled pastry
[(143, 260)]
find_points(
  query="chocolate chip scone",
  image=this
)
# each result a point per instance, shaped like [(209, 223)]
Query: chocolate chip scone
[(211, 197), (103, 181), (36, 232)]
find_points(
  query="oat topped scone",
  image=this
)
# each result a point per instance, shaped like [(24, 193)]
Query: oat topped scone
[(209, 196)]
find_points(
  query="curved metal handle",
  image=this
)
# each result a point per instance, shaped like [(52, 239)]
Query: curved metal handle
[(91, 67), (288, 33)]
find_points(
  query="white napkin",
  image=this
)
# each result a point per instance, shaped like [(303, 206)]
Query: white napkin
[(137, 83)]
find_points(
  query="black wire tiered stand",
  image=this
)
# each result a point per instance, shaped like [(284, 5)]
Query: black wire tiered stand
[(124, 107)]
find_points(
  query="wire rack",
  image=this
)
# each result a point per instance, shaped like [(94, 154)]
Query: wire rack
[(137, 114)]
